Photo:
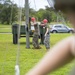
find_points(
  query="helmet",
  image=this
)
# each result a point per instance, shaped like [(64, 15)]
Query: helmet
[(33, 19), (45, 21)]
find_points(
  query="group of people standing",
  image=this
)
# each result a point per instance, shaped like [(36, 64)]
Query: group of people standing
[(41, 31)]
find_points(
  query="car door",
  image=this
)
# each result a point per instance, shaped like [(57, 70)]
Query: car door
[(58, 28), (64, 29)]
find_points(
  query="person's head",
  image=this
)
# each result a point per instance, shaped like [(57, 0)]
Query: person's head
[(67, 7), (33, 19), (45, 21)]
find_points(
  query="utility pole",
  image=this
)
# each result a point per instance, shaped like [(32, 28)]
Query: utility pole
[(27, 23)]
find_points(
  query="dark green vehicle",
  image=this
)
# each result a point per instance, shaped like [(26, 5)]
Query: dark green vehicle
[(20, 29)]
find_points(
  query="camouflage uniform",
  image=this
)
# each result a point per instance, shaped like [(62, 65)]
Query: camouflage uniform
[(36, 36), (46, 41), (47, 38)]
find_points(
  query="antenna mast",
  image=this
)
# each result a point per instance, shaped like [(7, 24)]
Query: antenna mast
[(27, 23)]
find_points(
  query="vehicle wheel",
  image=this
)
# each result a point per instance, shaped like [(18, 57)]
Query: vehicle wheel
[(54, 31), (71, 31)]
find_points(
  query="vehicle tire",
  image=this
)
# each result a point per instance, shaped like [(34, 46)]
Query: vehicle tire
[(54, 31), (70, 31)]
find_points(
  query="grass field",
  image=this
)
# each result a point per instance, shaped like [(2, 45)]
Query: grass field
[(28, 57), (5, 28)]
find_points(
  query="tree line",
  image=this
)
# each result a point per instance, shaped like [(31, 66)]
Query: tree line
[(9, 13)]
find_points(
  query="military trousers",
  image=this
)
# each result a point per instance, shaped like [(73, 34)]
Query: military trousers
[(47, 41), (35, 40)]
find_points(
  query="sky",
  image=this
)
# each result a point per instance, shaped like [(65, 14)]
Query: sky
[(35, 4)]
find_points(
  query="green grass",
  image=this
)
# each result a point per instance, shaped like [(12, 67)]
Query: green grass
[(28, 57), (5, 28)]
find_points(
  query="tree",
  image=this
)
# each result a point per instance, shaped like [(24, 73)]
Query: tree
[(39, 14), (8, 11)]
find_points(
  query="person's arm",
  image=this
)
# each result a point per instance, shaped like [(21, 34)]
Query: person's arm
[(46, 31), (59, 55)]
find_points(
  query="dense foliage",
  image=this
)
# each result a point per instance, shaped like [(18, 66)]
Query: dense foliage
[(9, 12)]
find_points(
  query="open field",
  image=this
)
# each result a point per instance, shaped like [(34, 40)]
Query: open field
[(5, 28), (28, 57)]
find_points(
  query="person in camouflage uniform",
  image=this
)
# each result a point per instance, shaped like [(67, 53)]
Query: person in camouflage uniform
[(44, 34), (36, 34)]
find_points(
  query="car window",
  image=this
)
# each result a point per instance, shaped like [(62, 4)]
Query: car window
[(58, 26), (64, 26)]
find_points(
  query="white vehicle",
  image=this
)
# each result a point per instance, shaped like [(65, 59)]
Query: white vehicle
[(60, 28)]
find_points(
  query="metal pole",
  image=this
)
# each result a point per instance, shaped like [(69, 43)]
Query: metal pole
[(27, 23)]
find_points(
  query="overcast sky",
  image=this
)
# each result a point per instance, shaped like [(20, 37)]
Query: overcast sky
[(36, 4)]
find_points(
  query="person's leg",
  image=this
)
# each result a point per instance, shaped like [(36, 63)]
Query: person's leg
[(34, 41), (46, 41), (42, 38), (37, 41)]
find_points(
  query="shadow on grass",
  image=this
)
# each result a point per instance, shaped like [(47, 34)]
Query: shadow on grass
[(24, 43)]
